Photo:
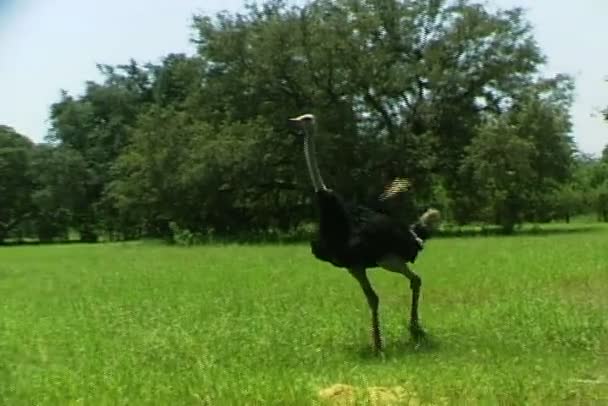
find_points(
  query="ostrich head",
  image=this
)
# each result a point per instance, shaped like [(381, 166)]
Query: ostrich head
[(305, 122)]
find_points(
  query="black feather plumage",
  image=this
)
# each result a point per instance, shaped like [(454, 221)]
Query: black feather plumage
[(355, 236)]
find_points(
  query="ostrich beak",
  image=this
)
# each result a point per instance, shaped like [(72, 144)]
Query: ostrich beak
[(302, 118), (295, 124)]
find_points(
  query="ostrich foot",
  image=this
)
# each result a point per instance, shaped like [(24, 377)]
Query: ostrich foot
[(417, 331), (376, 342)]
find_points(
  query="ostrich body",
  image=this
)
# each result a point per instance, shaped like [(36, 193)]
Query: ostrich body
[(357, 237)]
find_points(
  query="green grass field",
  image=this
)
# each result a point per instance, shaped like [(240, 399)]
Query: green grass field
[(512, 320)]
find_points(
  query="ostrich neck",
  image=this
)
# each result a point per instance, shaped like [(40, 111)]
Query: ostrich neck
[(311, 160)]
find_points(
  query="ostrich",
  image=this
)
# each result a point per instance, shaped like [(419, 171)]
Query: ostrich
[(356, 237)]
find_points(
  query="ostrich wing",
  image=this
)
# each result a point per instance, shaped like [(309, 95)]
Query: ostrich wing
[(395, 189), (396, 202)]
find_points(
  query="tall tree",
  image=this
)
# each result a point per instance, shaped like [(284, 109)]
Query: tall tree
[(519, 161), (96, 125), (398, 85), (59, 176), (500, 164), (15, 182)]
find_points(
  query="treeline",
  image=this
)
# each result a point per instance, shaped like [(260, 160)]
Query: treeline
[(446, 93)]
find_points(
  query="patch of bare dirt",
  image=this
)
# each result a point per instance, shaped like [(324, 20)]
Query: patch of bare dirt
[(584, 290), (346, 395)]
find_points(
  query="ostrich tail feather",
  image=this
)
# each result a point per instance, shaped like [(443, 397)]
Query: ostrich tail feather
[(430, 219), (427, 224)]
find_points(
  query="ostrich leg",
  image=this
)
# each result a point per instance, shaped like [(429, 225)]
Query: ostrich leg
[(415, 283), (373, 301), (399, 265)]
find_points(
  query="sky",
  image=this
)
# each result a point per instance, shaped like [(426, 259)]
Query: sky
[(49, 45)]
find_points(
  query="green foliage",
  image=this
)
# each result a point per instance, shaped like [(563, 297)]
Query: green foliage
[(184, 237), (422, 90), (518, 161), (567, 201), (600, 189), (15, 184), (139, 323), (602, 201), (590, 180), (499, 163), (59, 175), (96, 125)]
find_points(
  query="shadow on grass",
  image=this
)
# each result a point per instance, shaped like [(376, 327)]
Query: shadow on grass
[(532, 231), (43, 243), (405, 347)]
